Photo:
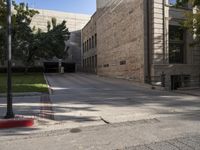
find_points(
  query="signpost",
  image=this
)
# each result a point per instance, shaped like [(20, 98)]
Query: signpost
[(10, 113)]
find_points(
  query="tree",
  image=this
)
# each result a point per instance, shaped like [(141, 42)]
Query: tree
[(2, 30), (29, 43), (53, 42), (192, 19), (22, 35)]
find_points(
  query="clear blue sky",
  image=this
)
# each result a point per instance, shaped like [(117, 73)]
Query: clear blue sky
[(76, 6)]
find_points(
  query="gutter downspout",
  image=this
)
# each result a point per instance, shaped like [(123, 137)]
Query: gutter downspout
[(148, 80), (164, 2)]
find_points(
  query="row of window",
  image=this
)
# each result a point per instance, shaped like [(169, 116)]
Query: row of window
[(176, 47), (90, 43), (90, 62)]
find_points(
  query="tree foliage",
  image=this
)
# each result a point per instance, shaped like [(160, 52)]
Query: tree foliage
[(192, 18), (29, 43), (2, 30), (22, 34), (53, 42)]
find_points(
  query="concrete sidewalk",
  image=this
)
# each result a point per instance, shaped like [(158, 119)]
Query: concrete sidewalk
[(194, 92), (153, 134)]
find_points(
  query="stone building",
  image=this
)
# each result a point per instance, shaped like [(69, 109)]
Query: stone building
[(89, 46), (141, 40)]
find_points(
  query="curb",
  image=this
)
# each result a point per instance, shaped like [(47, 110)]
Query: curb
[(16, 123), (187, 93), (24, 94)]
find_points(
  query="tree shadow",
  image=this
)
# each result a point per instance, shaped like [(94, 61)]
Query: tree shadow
[(81, 102)]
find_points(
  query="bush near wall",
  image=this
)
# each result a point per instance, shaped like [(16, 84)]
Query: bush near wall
[(22, 69)]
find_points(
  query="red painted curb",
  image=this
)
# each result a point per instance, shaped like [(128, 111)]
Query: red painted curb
[(16, 123)]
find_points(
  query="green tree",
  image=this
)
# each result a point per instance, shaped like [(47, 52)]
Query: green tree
[(29, 43), (2, 31), (23, 35), (53, 42), (192, 18)]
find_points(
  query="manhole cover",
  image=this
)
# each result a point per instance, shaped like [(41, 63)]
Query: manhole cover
[(75, 130)]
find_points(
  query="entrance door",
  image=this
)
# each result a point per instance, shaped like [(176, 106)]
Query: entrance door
[(175, 82)]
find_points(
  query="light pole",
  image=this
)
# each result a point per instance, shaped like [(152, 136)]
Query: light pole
[(10, 113)]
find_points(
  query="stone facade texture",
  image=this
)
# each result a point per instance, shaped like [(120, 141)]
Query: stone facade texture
[(89, 45), (133, 42)]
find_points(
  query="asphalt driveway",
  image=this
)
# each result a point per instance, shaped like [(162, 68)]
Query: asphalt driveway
[(89, 99)]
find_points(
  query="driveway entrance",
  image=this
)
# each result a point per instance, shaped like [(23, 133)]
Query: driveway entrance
[(88, 99)]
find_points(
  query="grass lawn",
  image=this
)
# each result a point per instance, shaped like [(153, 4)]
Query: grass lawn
[(32, 82)]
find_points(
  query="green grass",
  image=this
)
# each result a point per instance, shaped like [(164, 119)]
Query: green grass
[(32, 82)]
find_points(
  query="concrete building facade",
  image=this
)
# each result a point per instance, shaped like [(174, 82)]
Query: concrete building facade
[(74, 22), (141, 40)]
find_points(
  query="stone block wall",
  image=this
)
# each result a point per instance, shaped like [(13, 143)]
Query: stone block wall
[(89, 45), (120, 48)]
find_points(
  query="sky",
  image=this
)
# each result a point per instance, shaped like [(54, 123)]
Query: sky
[(75, 6)]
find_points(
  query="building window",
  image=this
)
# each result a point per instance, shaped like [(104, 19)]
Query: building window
[(123, 62), (176, 45), (95, 40), (180, 4), (95, 61), (87, 62), (87, 45), (172, 2), (92, 41), (83, 48), (83, 63)]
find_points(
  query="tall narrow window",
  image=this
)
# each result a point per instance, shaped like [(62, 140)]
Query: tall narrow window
[(83, 48), (95, 39), (176, 45), (87, 45), (95, 61), (92, 41), (93, 65)]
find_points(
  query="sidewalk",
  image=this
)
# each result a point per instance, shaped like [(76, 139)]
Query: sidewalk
[(193, 92), (170, 133), (184, 143)]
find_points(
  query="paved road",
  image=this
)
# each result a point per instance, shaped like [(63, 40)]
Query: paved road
[(86, 98), (91, 112)]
